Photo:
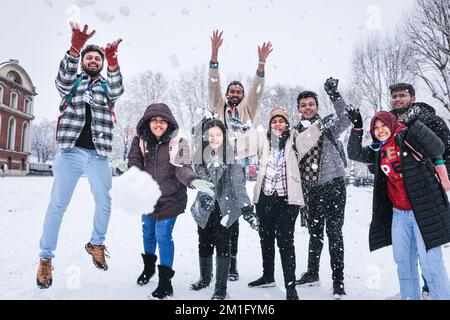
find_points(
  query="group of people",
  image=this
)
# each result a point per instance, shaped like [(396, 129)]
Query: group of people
[(301, 171)]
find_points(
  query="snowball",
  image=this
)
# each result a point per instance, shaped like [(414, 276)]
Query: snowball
[(84, 3), (104, 16), (135, 192), (125, 11), (174, 61)]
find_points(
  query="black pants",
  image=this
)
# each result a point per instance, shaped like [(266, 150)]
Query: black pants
[(277, 221), (234, 237), (234, 229), (326, 204), (214, 235)]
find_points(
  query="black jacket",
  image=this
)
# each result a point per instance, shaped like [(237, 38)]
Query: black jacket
[(427, 197), (429, 118)]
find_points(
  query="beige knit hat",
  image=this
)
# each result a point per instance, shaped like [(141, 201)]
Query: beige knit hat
[(279, 111)]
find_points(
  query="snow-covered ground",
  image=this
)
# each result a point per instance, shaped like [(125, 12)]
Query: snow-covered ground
[(23, 202)]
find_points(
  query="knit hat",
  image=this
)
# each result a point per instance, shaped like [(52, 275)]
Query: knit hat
[(279, 111), (387, 118)]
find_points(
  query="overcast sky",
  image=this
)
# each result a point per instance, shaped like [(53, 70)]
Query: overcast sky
[(312, 40)]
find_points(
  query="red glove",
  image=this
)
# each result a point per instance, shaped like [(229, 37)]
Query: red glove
[(111, 53), (79, 37)]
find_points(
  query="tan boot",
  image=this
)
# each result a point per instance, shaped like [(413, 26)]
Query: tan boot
[(98, 255), (44, 274)]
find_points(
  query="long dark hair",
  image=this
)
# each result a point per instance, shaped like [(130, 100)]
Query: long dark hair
[(208, 124)]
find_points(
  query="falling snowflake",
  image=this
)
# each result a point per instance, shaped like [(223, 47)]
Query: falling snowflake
[(84, 3), (104, 16), (125, 11), (174, 60)]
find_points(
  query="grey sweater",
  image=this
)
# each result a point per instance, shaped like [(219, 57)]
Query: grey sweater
[(331, 164)]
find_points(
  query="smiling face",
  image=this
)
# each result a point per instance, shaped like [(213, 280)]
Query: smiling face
[(381, 131), (278, 125), (401, 99), (308, 108), (235, 95), (92, 63), (158, 126), (215, 138)]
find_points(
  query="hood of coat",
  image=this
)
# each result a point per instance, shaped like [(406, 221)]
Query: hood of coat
[(156, 110)]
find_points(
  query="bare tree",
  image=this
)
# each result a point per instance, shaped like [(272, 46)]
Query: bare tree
[(43, 142), (189, 98), (377, 63), (279, 95), (427, 32), (141, 91)]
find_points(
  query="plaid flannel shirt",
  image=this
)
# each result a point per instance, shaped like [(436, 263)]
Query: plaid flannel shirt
[(73, 117), (276, 179)]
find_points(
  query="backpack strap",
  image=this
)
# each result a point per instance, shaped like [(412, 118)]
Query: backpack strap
[(104, 85), (72, 92)]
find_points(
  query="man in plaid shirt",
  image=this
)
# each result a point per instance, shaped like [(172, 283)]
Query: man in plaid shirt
[(84, 135)]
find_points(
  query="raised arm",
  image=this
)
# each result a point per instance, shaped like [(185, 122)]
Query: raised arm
[(339, 104), (115, 83), (69, 65), (253, 100), (355, 151), (215, 97)]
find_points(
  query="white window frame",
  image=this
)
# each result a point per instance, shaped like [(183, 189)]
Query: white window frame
[(2, 92), (11, 141), (25, 135), (11, 104)]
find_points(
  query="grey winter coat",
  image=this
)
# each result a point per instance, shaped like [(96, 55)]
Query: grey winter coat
[(229, 192), (331, 164)]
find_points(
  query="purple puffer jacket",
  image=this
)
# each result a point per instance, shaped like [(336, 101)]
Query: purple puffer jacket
[(172, 180)]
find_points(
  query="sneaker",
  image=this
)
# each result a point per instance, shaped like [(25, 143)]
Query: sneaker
[(262, 283), (338, 288), (98, 255), (44, 274), (308, 280)]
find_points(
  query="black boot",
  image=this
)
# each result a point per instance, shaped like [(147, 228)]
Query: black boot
[(291, 292), (164, 288), (149, 268), (234, 275), (222, 269), (205, 274)]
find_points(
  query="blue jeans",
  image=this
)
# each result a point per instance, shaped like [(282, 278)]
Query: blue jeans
[(67, 170), (159, 232), (407, 243)]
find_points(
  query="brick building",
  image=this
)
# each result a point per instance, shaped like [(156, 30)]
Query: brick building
[(16, 113)]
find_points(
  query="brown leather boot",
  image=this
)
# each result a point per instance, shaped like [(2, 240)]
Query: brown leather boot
[(98, 255), (44, 274)]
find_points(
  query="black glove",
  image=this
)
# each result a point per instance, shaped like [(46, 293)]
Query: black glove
[(326, 122), (250, 217), (354, 116), (410, 115), (330, 87)]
